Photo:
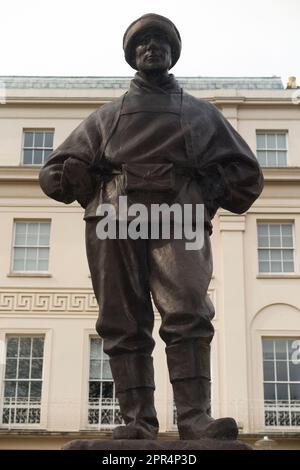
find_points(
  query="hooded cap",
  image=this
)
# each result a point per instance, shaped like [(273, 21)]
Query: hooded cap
[(151, 21)]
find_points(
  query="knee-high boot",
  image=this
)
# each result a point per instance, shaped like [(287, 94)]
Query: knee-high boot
[(134, 380), (189, 369)]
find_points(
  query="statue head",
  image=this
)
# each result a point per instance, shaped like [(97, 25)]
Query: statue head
[(152, 43)]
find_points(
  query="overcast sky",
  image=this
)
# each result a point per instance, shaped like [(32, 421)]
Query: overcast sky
[(219, 37)]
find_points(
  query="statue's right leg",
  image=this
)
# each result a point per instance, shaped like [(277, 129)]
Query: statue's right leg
[(119, 271)]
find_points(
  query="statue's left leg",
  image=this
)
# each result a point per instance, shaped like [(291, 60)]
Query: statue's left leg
[(179, 280)]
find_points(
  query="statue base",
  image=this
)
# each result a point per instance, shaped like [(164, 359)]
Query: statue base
[(154, 445)]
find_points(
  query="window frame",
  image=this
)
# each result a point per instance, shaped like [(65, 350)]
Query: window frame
[(33, 130), (13, 246), (277, 337), (276, 132), (258, 249), (47, 334)]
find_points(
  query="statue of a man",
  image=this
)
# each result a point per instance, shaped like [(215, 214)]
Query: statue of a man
[(155, 144)]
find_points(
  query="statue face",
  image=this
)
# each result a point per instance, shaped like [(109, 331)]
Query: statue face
[(153, 52)]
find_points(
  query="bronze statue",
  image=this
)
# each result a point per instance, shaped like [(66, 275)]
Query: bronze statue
[(196, 157)]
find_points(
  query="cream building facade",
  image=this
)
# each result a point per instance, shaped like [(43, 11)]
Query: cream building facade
[(55, 383)]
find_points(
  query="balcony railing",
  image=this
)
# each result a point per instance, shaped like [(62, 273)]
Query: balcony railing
[(104, 413), (18, 411), (282, 413)]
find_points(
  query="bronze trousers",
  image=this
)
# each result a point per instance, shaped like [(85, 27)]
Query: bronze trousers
[(126, 273)]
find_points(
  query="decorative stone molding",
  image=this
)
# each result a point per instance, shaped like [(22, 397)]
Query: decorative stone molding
[(48, 301)]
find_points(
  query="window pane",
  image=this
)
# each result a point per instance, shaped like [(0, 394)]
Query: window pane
[(268, 349), (294, 372), (281, 371), (36, 368), (282, 158), (281, 349), (94, 390), (22, 389), (271, 141), (281, 141), (32, 239), (264, 255), (38, 347), (25, 347), (18, 265), (287, 255), (261, 141), (274, 229), (44, 239), (38, 139), (36, 390), (42, 265), (269, 371), (287, 242), (275, 242), (9, 389), (19, 253), (288, 266), (30, 265), (96, 345), (287, 230), (276, 267), (262, 157), (263, 241), (295, 391), (95, 369), (106, 373), (269, 391), (21, 227), (271, 158), (24, 369), (20, 239), (32, 227), (11, 369), (263, 229), (275, 255), (282, 392), (264, 267), (47, 153), (38, 157), (12, 347), (27, 157), (44, 228), (107, 389), (49, 139), (43, 253), (28, 139)]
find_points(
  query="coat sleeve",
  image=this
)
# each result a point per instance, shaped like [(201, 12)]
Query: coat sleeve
[(231, 176), (66, 175)]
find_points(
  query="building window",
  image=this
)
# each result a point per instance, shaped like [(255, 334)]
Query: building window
[(22, 393), (31, 247), (271, 148), (275, 248), (37, 146), (281, 366), (103, 408)]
